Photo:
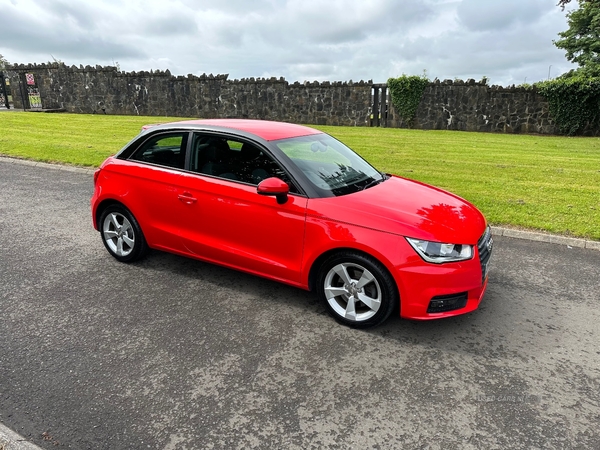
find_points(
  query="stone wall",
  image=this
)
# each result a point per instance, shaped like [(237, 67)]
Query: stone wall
[(107, 90), (472, 106), (447, 105)]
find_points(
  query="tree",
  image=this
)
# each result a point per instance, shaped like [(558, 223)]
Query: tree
[(582, 40), (563, 3), (3, 62)]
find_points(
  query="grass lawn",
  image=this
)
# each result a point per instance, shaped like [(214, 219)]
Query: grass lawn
[(535, 182)]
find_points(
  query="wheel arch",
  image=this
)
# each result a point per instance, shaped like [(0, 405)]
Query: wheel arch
[(102, 207)]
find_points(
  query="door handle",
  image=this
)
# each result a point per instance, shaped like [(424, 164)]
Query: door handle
[(186, 198)]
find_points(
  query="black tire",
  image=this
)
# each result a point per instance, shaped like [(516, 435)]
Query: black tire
[(121, 234), (357, 289)]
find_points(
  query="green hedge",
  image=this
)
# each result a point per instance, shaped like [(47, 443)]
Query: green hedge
[(406, 93), (574, 102)]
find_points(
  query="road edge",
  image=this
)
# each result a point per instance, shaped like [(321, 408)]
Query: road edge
[(66, 168), (9, 440), (545, 237), (496, 231)]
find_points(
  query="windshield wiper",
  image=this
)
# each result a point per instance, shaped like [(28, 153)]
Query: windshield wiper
[(375, 182)]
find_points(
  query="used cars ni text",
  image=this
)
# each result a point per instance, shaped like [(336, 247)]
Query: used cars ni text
[(293, 204)]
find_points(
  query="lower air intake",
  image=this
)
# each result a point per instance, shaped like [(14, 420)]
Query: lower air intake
[(445, 303)]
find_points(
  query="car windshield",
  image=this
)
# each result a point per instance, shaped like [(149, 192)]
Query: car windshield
[(333, 168)]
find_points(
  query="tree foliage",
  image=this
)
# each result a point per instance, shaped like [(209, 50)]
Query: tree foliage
[(563, 3), (574, 102), (582, 40), (3, 62)]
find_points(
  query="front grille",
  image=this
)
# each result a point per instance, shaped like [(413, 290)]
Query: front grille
[(484, 246), (445, 303)]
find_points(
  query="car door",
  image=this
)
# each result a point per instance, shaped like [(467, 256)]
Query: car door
[(152, 185), (226, 221)]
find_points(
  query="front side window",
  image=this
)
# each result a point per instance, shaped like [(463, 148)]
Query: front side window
[(234, 160), (329, 165), (165, 150)]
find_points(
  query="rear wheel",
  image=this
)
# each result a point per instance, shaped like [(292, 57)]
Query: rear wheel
[(357, 289), (121, 234)]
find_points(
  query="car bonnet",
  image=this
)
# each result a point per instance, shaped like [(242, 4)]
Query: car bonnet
[(408, 208)]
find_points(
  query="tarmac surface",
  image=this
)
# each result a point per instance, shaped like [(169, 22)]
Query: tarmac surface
[(172, 353)]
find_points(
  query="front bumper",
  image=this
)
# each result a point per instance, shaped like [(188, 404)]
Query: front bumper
[(432, 291)]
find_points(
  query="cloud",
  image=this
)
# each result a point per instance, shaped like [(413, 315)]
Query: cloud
[(297, 39), (61, 31), (477, 15)]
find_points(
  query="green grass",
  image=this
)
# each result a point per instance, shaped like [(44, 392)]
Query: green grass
[(78, 139), (536, 182)]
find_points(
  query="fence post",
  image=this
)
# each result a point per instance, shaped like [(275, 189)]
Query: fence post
[(22, 89), (375, 107), (383, 106)]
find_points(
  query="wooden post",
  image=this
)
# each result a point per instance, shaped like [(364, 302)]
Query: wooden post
[(23, 90), (375, 108), (383, 106)]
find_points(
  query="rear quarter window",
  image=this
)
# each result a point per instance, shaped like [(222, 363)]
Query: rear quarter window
[(164, 150)]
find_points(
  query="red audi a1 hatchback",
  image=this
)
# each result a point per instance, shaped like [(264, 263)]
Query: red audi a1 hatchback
[(295, 205)]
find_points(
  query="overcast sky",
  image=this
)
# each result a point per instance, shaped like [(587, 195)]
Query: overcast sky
[(509, 41)]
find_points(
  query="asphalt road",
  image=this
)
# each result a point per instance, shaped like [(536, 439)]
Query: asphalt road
[(171, 353)]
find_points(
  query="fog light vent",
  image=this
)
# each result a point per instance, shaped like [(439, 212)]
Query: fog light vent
[(445, 303)]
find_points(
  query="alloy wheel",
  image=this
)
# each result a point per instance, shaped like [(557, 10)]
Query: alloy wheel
[(352, 291), (118, 234)]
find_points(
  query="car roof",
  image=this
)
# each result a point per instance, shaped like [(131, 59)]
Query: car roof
[(265, 129)]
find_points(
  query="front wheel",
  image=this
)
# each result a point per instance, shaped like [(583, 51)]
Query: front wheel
[(121, 234), (357, 289)]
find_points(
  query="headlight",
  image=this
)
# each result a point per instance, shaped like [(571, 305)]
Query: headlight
[(438, 253)]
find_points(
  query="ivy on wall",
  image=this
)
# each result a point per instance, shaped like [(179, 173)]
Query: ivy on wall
[(574, 102), (406, 93)]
